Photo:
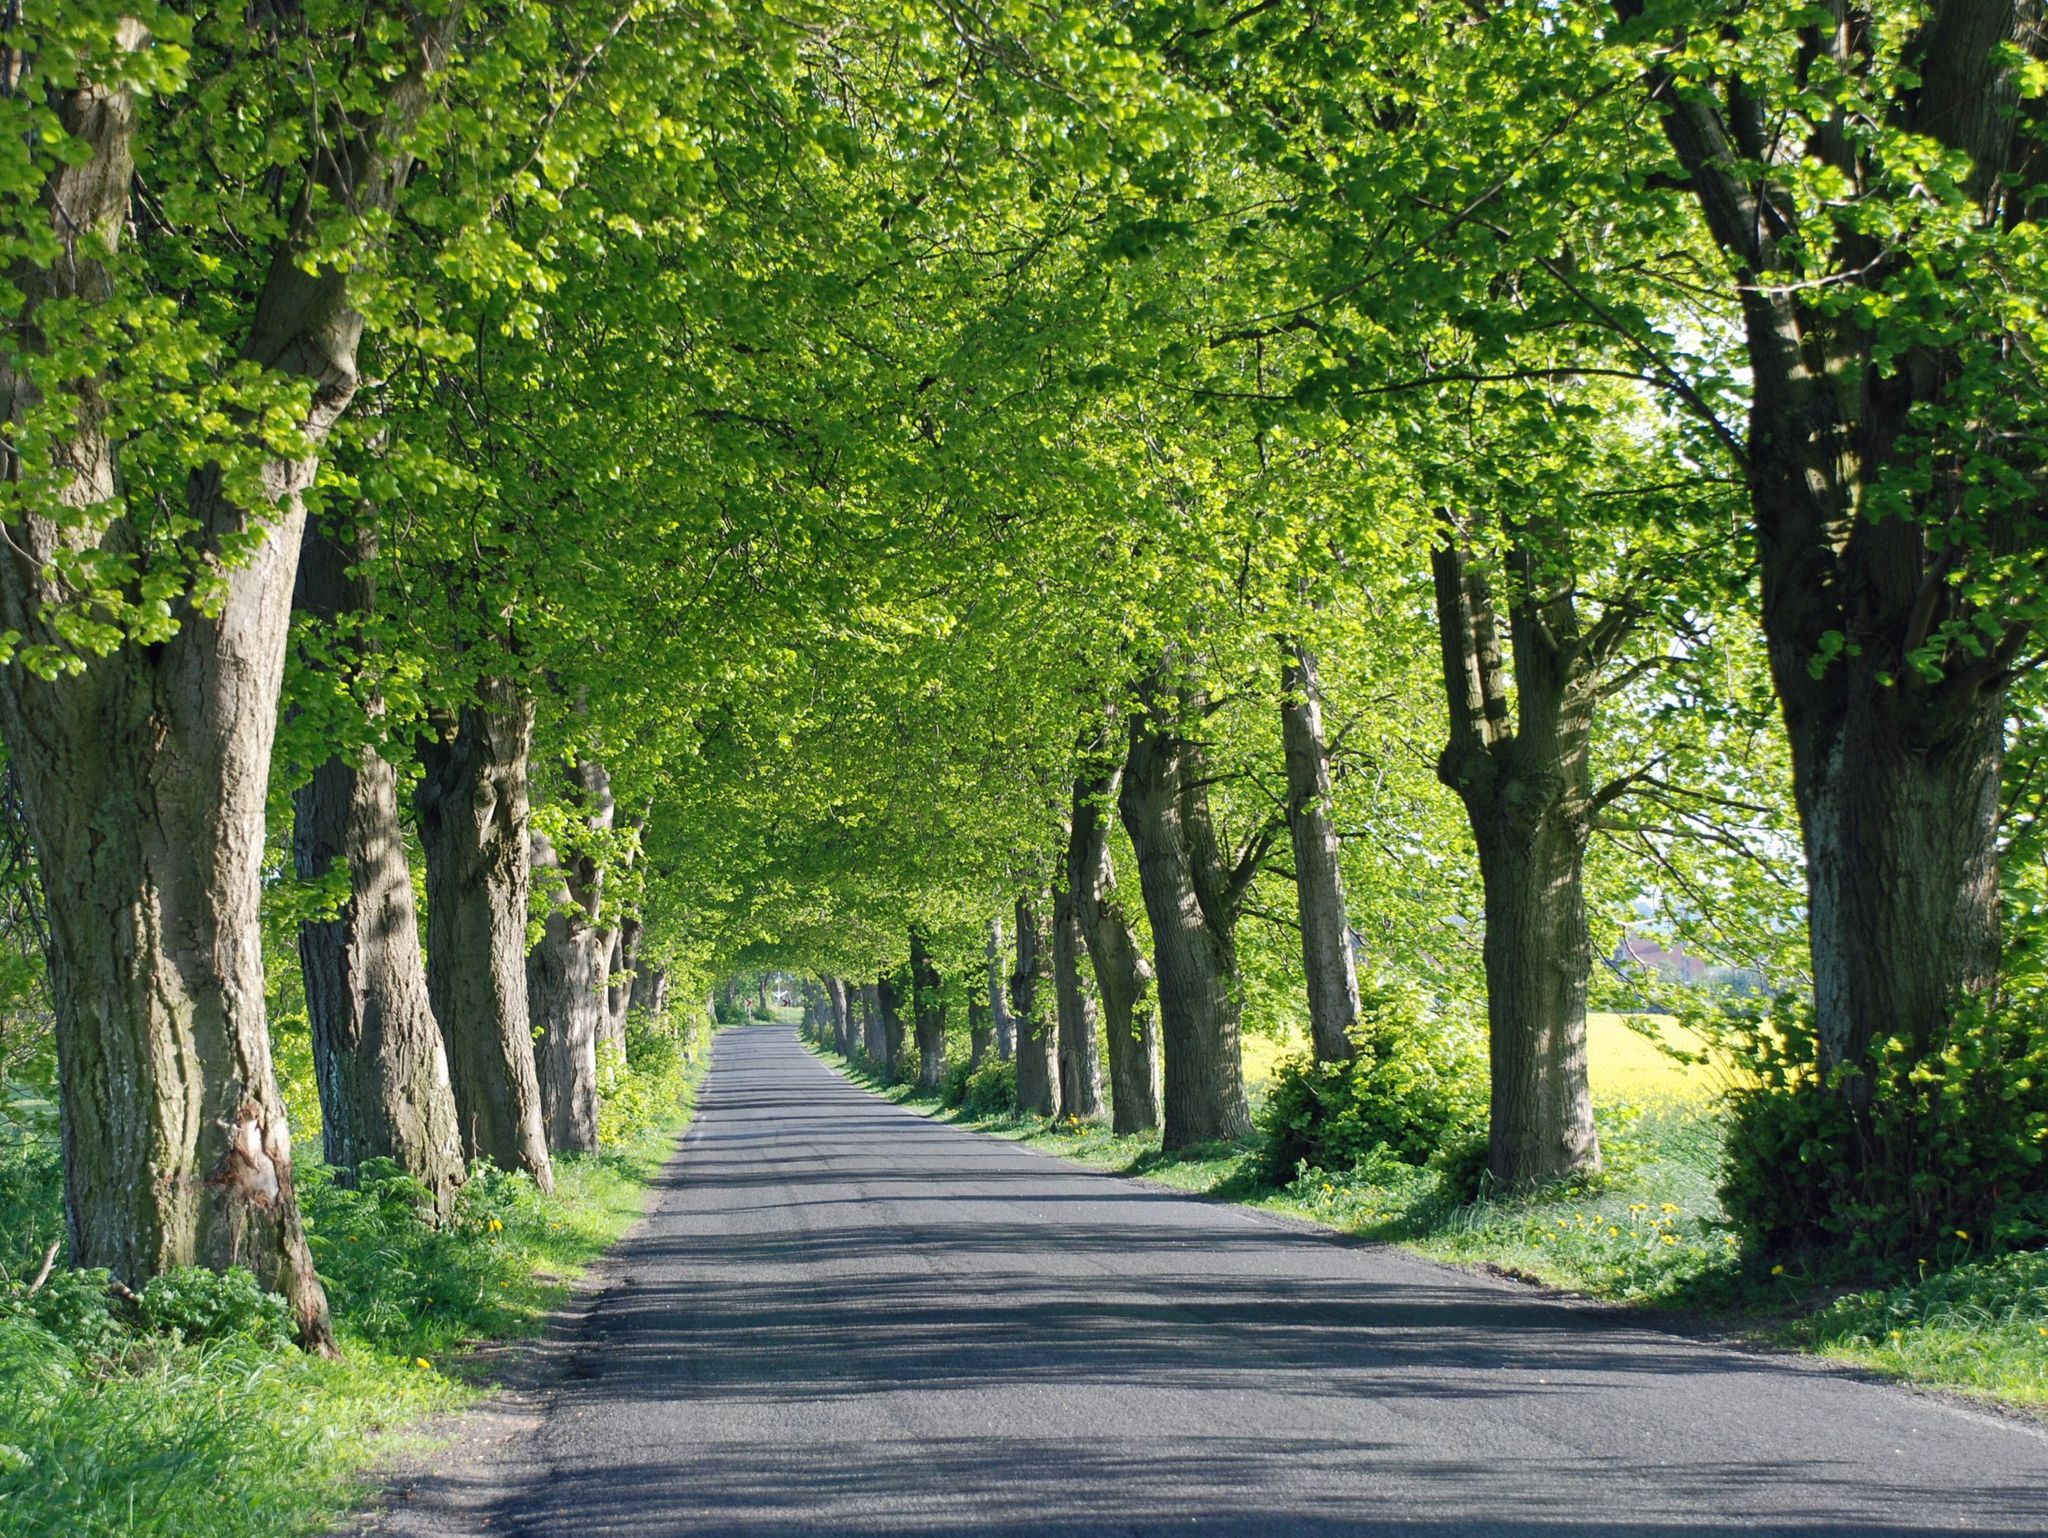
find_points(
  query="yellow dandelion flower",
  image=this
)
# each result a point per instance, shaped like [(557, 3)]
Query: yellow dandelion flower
[(1777, 1270), (1962, 1233), (1671, 1238), (1670, 1207), (422, 1363), (1614, 1233), (496, 1226)]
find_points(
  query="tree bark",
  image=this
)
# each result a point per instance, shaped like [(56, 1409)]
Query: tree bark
[(1326, 955), (928, 1009), (1122, 972), (565, 972), (1885, 541), (1080, 1060), (1193, 898), (874, 1035), (1034, 1010), (143, 775), (889, 1001), (377, 1053), (473, 814), (618, 987), (650, 990), (981, 1033), (998, 999), (842, 1021), (1526, 785)]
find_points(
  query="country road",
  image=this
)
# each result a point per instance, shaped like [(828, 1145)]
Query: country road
[(843, 1318)]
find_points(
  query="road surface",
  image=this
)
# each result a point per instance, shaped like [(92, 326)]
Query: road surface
[(843, 1318)]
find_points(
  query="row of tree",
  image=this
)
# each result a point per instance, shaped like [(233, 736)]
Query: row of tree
[(781, 481)]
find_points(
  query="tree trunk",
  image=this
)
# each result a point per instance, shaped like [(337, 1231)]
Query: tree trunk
[(472, 806), (1080, 1060), (619, 973), (929, 1010), (998, 999), (1122, 972), (874, 1035), (889, 1000), (565, 972), (842, 1017), (1192, 900), (650, 990), (1034, 1008), (981, 1033), (377, 1053), (1319, 884), (1889, 513), (1527, 790)]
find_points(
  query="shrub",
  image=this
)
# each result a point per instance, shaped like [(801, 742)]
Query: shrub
[(991, 1090), (1416, 1084), (954, 1090), (1949, 1159), (763, 1012), (728, 1011), (194, 1304), (74, 1306)]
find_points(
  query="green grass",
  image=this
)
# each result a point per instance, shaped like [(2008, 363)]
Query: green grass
[(1648, 1232), (151, 1435)]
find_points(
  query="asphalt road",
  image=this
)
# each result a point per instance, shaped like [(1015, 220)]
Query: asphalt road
[(843, 1318)]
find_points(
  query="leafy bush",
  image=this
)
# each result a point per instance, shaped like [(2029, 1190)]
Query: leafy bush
[(193, 1304), (74, 1307), (1949, 1159), (991, 1090), (1415, 1084), (728, 1011), (763, 1012), (953, 1091)]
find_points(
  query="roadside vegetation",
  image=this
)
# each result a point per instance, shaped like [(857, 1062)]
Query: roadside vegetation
[(186, 1408)]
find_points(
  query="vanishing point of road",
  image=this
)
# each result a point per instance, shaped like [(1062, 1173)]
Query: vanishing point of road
[(844, 1318)]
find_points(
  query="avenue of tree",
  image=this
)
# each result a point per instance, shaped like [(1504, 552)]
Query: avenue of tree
[(1118, 524)]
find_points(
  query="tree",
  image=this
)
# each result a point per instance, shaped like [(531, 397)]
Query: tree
[(474, 816), (928, 1007), (1035, 1010), (377, 1051), (1858, 178), (1123, 973)]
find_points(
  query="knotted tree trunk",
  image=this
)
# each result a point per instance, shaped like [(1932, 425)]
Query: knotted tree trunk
[(473, 814), (1080, 1061), (1525, 780), (1034, 1009), (377, 1053), (1122, 973), (1193, 896), (1319, 883)]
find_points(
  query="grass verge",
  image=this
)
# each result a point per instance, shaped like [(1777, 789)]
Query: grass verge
[(1649, 1232), (109, 1426)]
